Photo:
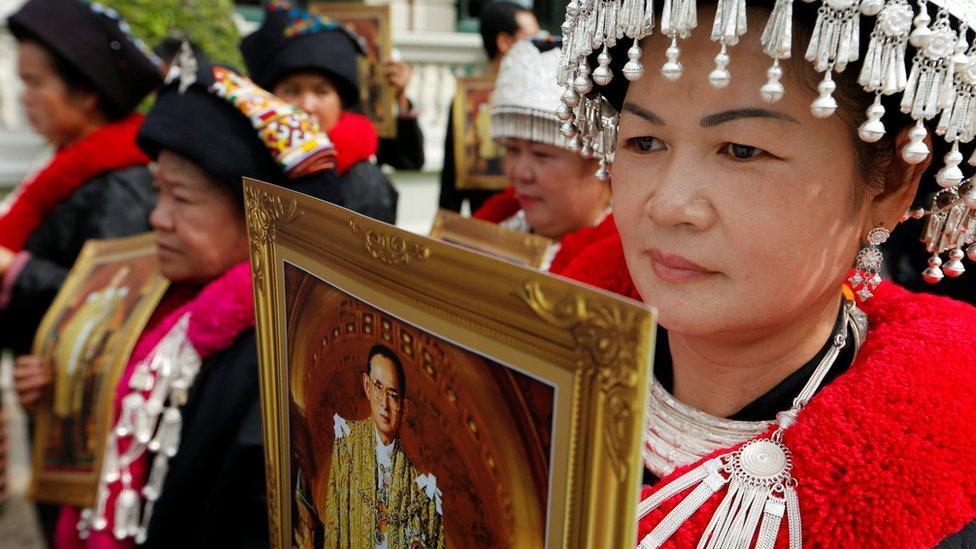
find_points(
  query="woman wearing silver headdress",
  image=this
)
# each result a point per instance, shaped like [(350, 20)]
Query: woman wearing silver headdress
[(554, 192), (763, 161)]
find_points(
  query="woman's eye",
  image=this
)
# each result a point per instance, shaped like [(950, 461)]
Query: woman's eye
[(742, 152), (645, 143)]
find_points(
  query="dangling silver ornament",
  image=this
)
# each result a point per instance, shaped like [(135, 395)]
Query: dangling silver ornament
[(825, 104), (633, 69), (873, 128), (916, 150), (950, 175), (720, 76), (602, 74), (933, 274), (672, 68)]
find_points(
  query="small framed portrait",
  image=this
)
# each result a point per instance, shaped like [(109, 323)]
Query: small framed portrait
[(85, 338), (418, 394), (372, 25), (477, 157), (527, 249)]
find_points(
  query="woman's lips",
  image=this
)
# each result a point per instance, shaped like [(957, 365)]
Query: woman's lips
[(674, 268), (525, 201), (163, 249)]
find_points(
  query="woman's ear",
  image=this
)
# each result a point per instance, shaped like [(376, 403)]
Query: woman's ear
[(903, 178)]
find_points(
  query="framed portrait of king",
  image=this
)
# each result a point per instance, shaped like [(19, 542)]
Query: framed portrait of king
[(85, 337), (419, 394), (372, 25), (477, 157)]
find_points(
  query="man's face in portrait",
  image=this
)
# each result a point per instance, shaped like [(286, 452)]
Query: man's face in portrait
[(382, 386)]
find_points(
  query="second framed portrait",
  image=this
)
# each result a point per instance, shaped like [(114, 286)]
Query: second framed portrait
[(477, 157), (371, 24), (417, 394), (85, 337)]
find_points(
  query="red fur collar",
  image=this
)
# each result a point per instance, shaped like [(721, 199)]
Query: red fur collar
[(504, 205), (498, 207), (602, 265), (576, 242), (882, 454), (110, 147), (355, 140)]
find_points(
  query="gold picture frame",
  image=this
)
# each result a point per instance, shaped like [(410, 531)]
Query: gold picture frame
[(477, 158), (527, 249), (87, 336), (587, 351), (372, 24)]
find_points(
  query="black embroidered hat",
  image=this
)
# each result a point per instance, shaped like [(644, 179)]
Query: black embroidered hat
[(290, 40), (97, 42)]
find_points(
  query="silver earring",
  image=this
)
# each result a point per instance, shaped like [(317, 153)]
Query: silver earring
[(867, 271)]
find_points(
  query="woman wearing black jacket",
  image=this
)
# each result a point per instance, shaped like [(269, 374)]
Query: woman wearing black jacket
[(83, 77)]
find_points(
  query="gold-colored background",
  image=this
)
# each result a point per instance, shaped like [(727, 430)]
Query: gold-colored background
[(482, 429)]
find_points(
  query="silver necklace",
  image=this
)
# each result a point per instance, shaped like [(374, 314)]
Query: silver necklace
[(761, 488)]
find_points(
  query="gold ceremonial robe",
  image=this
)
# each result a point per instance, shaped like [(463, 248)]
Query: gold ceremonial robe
[(356, 512)]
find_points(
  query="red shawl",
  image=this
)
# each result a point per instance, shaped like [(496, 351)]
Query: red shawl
[(220, 312), (110, 147), (355, 140)]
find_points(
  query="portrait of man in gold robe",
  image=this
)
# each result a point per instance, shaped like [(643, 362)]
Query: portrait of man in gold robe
[(81, 339), (376, 496)]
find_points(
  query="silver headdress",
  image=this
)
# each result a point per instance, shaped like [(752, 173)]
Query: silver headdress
[(526, 103), (938, 83)]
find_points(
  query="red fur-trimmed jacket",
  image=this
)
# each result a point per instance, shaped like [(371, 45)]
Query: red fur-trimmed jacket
[(504, 205), (882, 454)]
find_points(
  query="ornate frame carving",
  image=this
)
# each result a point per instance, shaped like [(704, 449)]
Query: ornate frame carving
[(595, 348)]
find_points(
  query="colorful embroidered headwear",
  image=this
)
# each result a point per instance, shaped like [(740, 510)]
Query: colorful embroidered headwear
[(923, 53), (526, 95), (97, 42), (232, 128), (291, 40)]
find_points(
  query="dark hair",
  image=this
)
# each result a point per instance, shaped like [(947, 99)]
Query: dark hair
[(74, 80), (386, 352), (872, 160), (496, 18), (169, 47)]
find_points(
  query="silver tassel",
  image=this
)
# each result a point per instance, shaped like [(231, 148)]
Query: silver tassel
[(167, 439), (126, 514), (154, 486), (958, 120), (884, 63), (777, 41), (931, 76), (836, 40), (678, 18), (729, 25)]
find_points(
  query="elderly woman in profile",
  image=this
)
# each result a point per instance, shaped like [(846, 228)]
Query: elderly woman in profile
[(184, 463), (798, 398), (554, 192)]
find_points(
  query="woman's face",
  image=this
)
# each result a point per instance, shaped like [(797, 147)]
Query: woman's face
[(55, 112), (558, 191), (314, 93), (735, 214), (198, 221)]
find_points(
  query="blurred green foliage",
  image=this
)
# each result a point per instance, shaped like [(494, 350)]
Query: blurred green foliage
[(208, 23)]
